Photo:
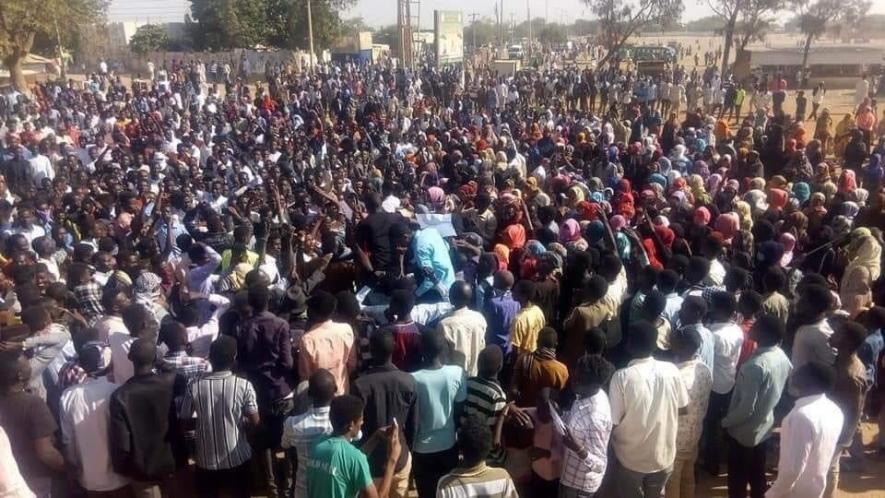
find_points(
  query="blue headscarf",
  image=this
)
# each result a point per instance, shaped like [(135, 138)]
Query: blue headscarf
[(801, 191)]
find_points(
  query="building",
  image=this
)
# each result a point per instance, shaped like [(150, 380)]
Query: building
[(839, 66)]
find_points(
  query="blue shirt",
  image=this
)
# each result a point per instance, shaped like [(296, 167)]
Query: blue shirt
[(707, 351), (757, 390), (438, 391), (431, 251), (499, 311), (869, 354)]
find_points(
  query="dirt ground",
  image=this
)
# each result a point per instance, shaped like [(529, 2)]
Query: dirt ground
[(867, 484)]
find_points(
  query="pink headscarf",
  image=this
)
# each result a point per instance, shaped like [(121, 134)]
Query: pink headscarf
[(789, 242), (728, 224), (570, 231), (702, 216), (436, 195)]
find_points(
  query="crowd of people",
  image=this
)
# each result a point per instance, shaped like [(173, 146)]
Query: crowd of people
[(368, 281)]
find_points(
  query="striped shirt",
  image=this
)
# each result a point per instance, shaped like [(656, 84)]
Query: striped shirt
[(477, 482), (485, 400), (301, 432), (220, 401)]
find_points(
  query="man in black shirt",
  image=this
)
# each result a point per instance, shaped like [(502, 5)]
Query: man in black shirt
[(373, 251), (389, 394), (140, 429)]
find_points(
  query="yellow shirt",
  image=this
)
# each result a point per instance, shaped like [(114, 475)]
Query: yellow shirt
[(525, 327)]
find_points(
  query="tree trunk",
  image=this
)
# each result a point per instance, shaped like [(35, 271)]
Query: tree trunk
[(13, 63), (729, 40), (805, 53)]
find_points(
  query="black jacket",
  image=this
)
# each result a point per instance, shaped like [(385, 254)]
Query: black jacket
[(141, 427)]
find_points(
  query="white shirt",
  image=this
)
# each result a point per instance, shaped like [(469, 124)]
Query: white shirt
[(122, 369), (727, 341), (645, 401), (201, 337), (12, 484), (716, 275), (84, 415), (466, 330), (41, 167), (809, 435), (301, 432)]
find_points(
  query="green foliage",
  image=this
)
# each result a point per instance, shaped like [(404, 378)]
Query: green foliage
[(223, 24), (149, 38), (22, 20), (621, 19)]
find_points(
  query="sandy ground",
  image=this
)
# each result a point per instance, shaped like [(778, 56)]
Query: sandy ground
[(867, 484)]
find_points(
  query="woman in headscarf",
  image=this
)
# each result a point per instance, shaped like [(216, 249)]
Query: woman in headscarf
[(864, 267), (823, 131), (873, 172), (843, 135), (514, 237), (777, 200), (816, 210), (700, 194), (847, 182), (502, 253), (801, 191), (788, 241), (569, 231), (728, 224)]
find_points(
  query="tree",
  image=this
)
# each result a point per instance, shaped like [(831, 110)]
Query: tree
[(621, 19), (816, 15), (22, 20), (149, 38), (728, 11), (222, 24), (755, 20)]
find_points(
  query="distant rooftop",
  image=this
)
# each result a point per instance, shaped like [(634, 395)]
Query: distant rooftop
[(148, 11)]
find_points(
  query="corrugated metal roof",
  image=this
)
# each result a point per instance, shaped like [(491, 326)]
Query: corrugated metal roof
[(148, 11)]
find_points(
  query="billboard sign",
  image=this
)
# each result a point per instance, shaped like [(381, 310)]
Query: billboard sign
[(448, 26)]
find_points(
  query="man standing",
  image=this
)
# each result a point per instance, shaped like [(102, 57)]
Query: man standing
[(473, 477), (750, 417), (301, 432), (326, 344), (809, 435), (140, 433), (588, 429), (698, 380), (464, 328), (389, 394), (221, 402), (85, 421), (440, 388), (812, 341), (136, 319), (849, 390), (645, 400), (29, 424), (727, 340), (528, 322), (264, 352), (336, 468)]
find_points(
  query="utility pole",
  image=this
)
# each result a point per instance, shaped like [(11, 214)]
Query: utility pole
[(473, 17), (528, 15), (310, 34)]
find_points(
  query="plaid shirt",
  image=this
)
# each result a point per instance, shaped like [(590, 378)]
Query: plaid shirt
[(590, 422), (89, 297), (189, 367)]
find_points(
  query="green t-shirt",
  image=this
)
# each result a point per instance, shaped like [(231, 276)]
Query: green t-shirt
[(336, 469), (739, 97)]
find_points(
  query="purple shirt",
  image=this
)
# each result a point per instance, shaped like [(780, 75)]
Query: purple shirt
[(264, 354), (500, 310)]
